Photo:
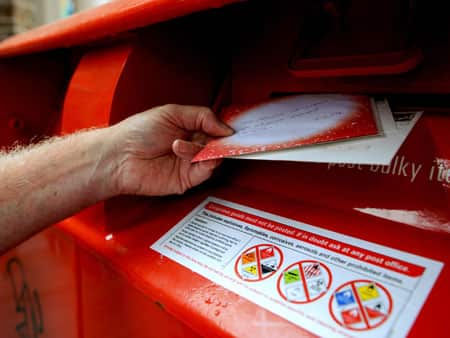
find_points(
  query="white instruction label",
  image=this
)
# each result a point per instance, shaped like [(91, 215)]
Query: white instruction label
[(328, 283)]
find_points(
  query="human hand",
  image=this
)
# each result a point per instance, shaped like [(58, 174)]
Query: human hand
[(154, 150)]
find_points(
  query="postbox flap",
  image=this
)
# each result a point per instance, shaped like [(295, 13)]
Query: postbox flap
[(104, 21)]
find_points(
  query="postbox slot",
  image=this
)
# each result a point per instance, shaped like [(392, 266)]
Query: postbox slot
[(382, 47), (343, 38)]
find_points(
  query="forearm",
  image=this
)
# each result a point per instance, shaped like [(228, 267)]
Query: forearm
[(49, 182), (147, 154)]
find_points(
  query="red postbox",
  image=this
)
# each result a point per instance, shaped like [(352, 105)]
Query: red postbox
[(95, 275)]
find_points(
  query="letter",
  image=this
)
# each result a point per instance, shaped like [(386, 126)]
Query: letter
[(394, 166), (440, 175), (385, 169), (374, 168), (430, 177), (415, 172), (402, 167)]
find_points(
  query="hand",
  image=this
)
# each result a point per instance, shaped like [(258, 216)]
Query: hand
[(155, 148)]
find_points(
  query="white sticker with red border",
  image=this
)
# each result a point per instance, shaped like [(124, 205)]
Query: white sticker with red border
[(328, 283)]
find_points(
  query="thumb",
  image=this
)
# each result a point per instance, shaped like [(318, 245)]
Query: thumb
[(197, 118)]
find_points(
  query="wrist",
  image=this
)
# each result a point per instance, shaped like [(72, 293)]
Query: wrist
[(106, 165)]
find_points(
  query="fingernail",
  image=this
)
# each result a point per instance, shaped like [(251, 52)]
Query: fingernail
[(227, 128)]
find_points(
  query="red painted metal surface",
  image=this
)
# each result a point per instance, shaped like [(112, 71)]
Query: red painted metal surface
[(91, 90), (117, 309), (39, 288), (118, 279), (32, 92), (103, 22)]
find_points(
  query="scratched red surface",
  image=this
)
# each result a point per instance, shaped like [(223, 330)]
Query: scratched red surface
[(356, 123)]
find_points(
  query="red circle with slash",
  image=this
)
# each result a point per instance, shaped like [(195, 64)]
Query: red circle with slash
[(304, 282), (360, 305), (258, 262)]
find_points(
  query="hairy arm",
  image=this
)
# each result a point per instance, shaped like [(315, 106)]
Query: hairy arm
[(48, 182), (147, 154)]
